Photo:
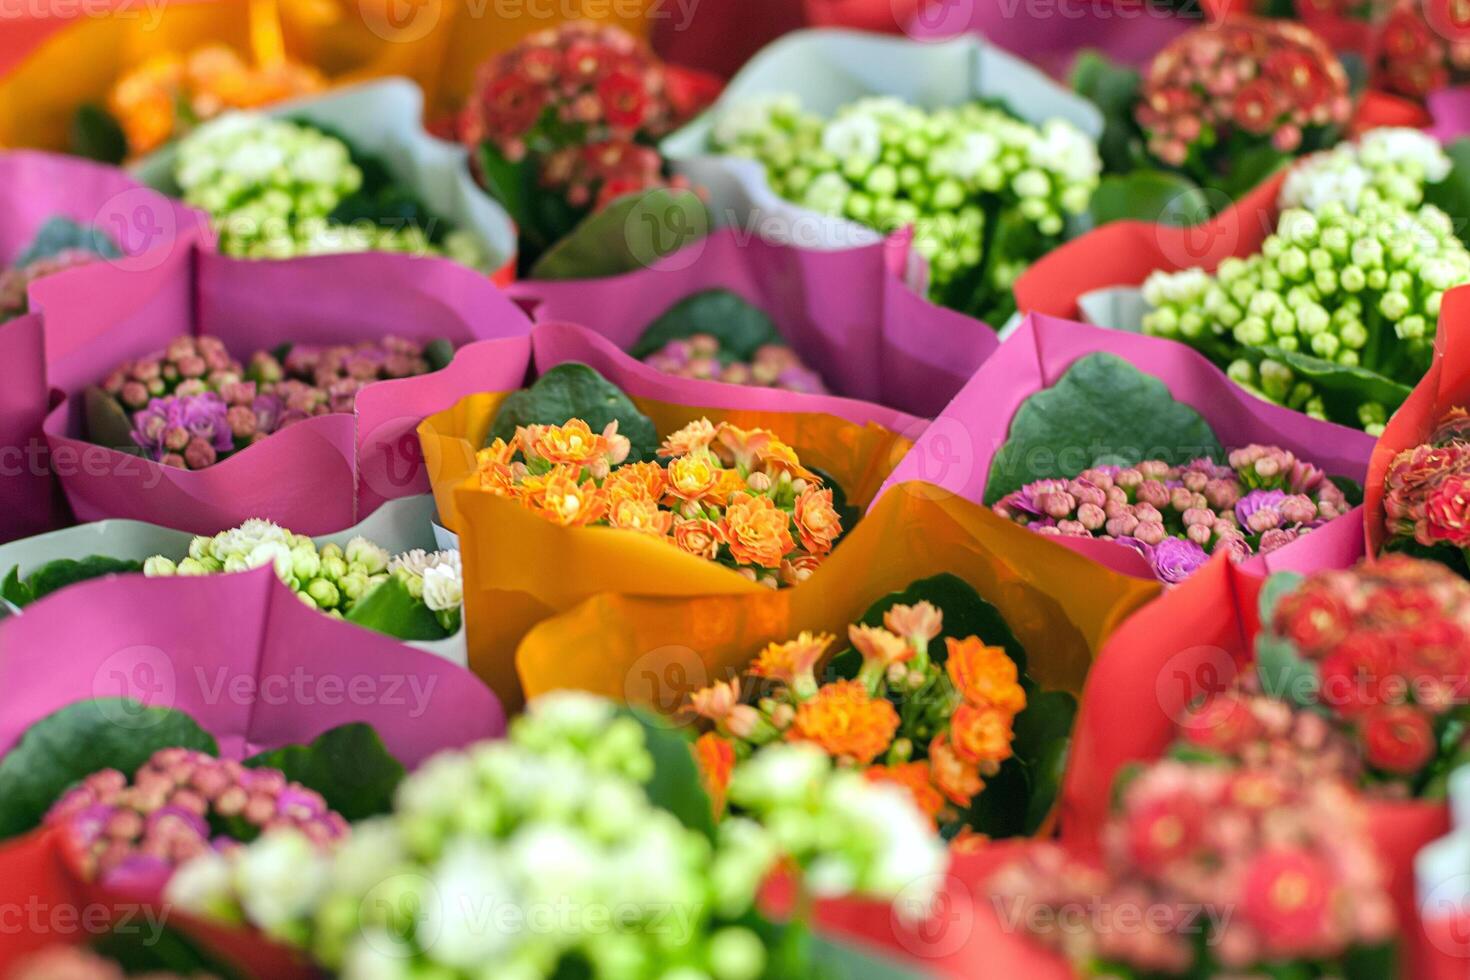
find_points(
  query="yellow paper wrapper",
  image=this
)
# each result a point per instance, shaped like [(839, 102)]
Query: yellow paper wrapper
[(656, 650), (436, 43), (520, 568)]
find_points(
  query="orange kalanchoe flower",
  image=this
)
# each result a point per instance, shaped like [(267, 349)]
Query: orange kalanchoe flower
[(636, 481), (694, 437), (745, 446), (918, 623), (729, 484), (793, 662), (984, 675), (817, 522), (781, 458), (757, 531), (560, 498), (698, 537), (796, 569), (692, 477), (846, 722), (880, 648), (914, 777), (957, 779), (720, 703), (715, 757), (981, 736), (573, 443), (641, 516)]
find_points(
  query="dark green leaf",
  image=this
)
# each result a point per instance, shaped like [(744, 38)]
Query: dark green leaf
[(439, 353), (96, 135), (390, 609), (1103, 410), (740, 327), (348, 765), (61, 572), (1351, 489), (14, 591), (141, 946), (509, 183), (1343, 388), (631, 233), (675, 785), (60, 234), (576, 391), (1155, 196), (1250, 167), (832, 959), (1284, 674), (1043, 736), (1379, 962), (1452, 195), (80, 739), (107, 422)]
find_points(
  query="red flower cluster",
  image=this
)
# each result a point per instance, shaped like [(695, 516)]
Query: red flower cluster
[(1422, 46), (1267, 79), (1260, 866), (1427, 489), (1390, 646), (587, 102)]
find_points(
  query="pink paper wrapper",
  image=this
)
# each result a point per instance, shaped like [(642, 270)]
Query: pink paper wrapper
[(316, 476), (955, 452), (243, 657), (35, 187), (848, 314), (1450, 110)]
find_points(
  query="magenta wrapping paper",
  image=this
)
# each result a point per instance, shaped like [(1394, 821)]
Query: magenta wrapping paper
[(849, 314), (1450, 110), (33, 188), (243, 657), (314, 477), (955, 452)]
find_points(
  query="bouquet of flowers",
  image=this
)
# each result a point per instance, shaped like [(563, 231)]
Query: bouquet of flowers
[(566, 122), (1177, 516), (1210, 870), (193, 404), (416, 595), (276, 188), (1426, 493), (59, 244), (985, 191), (576, 830), (734, 496), (1417, 55), (171, 93), (1335, 315)]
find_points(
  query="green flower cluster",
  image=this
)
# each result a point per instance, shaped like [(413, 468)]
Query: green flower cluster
[(985, 192), (1334, 317), (271, 187)]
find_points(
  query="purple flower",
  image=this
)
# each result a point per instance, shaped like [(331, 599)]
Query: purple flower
[(1254, 501), (203, 416), (1175, 559)]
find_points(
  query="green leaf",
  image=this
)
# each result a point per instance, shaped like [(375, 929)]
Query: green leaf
[(1155, 196), (439, 353), (1043, 737), (348, 765), (832, 959), (390, 609), (631, 233), (1103, 410), (60, 234), (1284, 674), (509, 184), (675, 785), (1250, 167), (576, 391), (95, 134), (1351, 489), (740, 327), (154, 948), (1114, 90), (65, 747), (1343, 388), (1452, 195), (1277, 587), (107, 423), (61, 572)]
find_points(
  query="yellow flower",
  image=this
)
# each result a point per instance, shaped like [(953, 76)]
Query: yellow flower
[(558, 497), (693, 476), (698, 537), (758, 532), (846, 722), (817, 522), (729, 483), (793, 662), (640, 516), (984, 675), (694, 437)]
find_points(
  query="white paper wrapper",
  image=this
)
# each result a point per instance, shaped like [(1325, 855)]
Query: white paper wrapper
[(828, 69), (1442, 872), (1117, 308), (386, 118), (399, 525)]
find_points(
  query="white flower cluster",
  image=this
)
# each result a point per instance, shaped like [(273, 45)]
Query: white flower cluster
[(1389, 164), (887, 164), (270, 186), (515, 859), (332, 578)]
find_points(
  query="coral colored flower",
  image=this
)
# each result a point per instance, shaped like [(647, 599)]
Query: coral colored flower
[(757, 531), (560, 498), (744, 445), (698, 537), (817, 522), (573, 443), (716, 701), (846, 722), (692, 476), (778, 457), (729, 484), (1254, 109), (1288, 895), (914, 777), (624, 99), (695, 436), (1447, 514), (880, 649), (498, 453), (1164, 830), (796, 569), (636, 481), (500, 479), (1357, 674), (918, 623), (981, 735), (715, 757), (1224, 723), (985, 676), (1398, 739), (793, 662), (957, 779), (640, 516), (1312, 619)]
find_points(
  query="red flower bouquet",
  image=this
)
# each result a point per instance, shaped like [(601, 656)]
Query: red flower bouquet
[(1426, 495)]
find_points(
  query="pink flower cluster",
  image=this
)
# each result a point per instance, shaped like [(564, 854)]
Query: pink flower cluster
[(773, 366), (180, 804), (1250, 866), (1177, 516), (586, 101), (193, 404), (1426, 496), (1267, 79)]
